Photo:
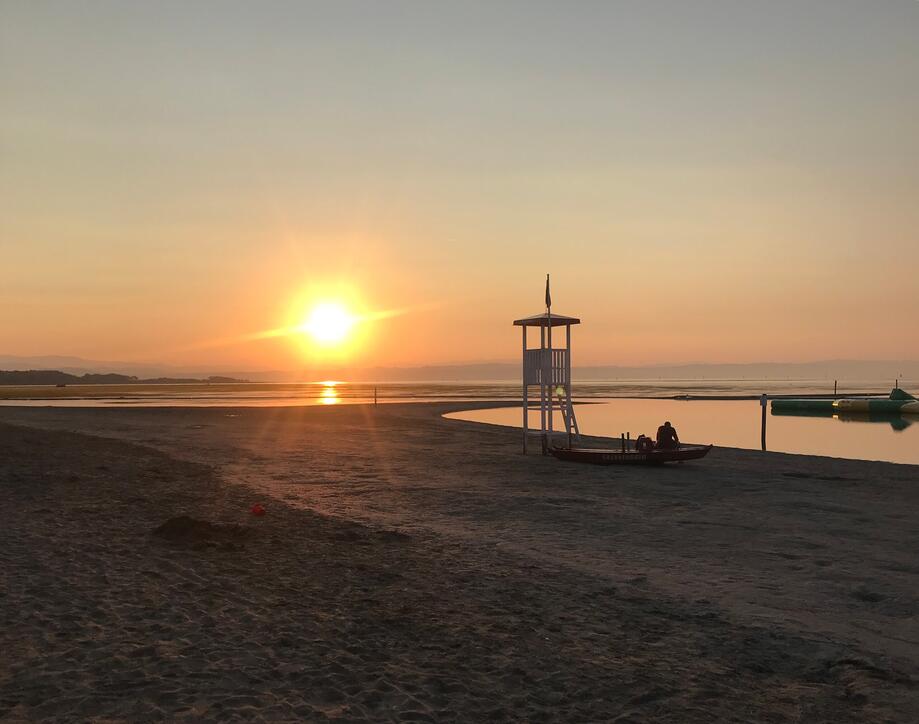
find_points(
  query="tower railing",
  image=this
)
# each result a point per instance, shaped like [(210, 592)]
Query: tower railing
[(546, 367)]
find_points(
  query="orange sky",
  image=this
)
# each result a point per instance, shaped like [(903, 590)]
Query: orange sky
[(719, 183)]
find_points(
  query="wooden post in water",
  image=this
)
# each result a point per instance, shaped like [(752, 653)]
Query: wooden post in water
[(835, 382), (762, 404), (374, 395)]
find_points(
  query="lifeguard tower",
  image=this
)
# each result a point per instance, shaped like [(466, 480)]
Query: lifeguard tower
[(549, 368)]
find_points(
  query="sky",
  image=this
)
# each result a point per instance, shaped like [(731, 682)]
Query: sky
[(705, 181)]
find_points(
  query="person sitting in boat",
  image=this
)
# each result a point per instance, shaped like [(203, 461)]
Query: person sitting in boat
[(643, 443), (667, 438)]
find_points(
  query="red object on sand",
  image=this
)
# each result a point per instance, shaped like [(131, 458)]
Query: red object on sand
[(257, 509)]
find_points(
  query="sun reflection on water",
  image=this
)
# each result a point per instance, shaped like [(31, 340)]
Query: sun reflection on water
[(329, 395)]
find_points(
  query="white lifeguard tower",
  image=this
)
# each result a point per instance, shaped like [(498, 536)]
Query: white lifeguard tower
[(550, 368)]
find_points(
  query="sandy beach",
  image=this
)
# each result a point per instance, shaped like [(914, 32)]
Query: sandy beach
[(412, 568)]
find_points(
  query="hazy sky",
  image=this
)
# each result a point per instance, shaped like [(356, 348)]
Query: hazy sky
[(706, 181)]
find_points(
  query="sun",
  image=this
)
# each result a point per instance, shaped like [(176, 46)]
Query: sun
[(329, 323)]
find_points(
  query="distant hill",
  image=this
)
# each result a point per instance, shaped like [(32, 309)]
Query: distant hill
[(146, 370), (55, 377), (470, 372), (510, 371)]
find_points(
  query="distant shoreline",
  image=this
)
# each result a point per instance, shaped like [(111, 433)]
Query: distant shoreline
[(826, 370), (186, 393), (62, 379)]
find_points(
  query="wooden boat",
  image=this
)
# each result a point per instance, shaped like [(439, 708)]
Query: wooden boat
[(597, 456)]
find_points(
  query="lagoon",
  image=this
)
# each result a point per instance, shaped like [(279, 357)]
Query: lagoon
[(734, 423)]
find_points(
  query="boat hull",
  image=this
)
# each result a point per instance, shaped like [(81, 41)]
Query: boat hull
[(596, 456)]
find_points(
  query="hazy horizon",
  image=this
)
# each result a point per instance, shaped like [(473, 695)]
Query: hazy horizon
[(713, 182), (508, 370)]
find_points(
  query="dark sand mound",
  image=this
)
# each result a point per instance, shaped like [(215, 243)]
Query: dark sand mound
[(187, 531)]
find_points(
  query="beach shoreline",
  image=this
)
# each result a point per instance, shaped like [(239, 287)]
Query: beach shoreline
[(232, 394), (415, 567)]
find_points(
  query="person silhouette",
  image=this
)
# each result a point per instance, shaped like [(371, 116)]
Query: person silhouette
[(667, 438)]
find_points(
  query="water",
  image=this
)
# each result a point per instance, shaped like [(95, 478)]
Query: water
[(732, 423), (267, 394), (735, 423), (331, 392)]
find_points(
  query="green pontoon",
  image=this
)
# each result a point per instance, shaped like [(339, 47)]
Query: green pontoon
[(894, 419), (898, 401)]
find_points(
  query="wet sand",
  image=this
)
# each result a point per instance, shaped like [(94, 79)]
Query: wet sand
[(416, 568)]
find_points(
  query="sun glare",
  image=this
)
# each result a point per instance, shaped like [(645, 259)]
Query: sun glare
[(329, 395), (329, 323)]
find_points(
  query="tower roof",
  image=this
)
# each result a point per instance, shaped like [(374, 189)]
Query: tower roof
[(543, 320)]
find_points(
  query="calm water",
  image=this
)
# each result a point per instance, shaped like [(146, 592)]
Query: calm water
[(332, 392), (733, 423), (736, 423)]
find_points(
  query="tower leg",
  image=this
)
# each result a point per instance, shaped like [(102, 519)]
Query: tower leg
[(526, 402), (526, 429)]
